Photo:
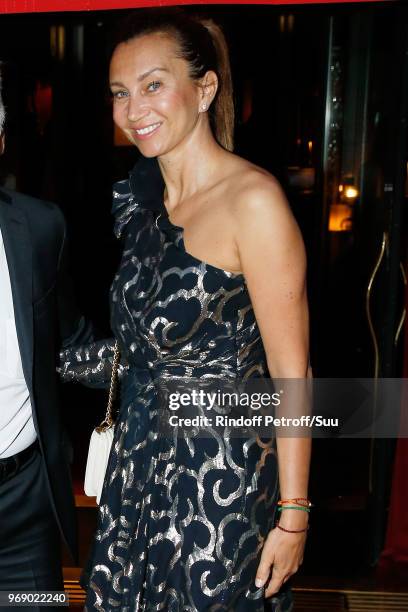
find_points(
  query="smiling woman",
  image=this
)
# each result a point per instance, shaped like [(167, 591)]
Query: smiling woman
[(156, 108), (187, 524), (185, 56)]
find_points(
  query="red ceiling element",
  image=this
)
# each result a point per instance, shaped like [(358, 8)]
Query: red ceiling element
[(39, 6)]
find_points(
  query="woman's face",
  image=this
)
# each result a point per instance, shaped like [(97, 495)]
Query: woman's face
[(156, 103)]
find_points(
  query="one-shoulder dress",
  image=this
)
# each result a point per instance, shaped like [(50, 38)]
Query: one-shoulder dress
[(181, 521)]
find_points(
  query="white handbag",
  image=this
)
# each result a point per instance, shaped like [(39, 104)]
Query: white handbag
[(101, 441)]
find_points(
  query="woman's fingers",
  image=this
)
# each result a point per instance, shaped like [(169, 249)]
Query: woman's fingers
[(265, 563), (276, 581), (262, 574)]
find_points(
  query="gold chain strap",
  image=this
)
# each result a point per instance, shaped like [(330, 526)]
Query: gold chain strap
[(108, 421)]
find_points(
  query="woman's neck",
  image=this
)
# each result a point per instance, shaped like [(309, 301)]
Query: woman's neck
[(190, 168)]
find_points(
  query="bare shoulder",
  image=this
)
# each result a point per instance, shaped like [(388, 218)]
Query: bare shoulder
[(255, 197)]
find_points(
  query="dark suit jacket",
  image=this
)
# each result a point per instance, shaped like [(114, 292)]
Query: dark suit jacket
[(46, 320)]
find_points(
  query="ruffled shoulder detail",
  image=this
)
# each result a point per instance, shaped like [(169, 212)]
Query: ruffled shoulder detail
[(143, 189), (123, 206), (146, 183)]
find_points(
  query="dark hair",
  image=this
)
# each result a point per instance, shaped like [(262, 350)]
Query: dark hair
[(202, 44)]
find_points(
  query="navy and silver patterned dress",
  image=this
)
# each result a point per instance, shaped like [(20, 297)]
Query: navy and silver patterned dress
[(181, 520)]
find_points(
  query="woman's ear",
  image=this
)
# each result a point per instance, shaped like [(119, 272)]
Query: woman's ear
[(208, 86)]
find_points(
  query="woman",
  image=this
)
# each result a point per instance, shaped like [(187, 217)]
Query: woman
[(211, 284)]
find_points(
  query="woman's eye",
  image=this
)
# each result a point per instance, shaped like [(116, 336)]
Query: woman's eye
[(153, 86), (119, 94)]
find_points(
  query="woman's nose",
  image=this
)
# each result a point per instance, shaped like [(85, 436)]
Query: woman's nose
[(136, 109)]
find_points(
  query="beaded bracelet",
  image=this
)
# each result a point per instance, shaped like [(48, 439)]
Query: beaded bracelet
[(291, 530), (293, 508)]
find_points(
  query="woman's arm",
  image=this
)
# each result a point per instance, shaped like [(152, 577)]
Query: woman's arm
[(273, 261), (90, 364)]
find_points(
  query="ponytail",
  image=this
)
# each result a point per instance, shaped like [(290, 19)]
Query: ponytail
[(223, 112)]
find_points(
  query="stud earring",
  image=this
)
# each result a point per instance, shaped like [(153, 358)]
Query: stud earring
[(204, 107)]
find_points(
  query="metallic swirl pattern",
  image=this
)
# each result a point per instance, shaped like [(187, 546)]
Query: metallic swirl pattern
[(182, 520)]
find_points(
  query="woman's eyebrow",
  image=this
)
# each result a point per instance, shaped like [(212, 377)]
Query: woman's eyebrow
[(139, 78), (145, 74)]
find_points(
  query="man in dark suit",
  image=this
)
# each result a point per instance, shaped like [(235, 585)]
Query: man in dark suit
[(37, 318)]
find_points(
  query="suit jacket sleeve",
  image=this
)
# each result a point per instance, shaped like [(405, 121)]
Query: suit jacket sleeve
[(82, 359), (74, 329)]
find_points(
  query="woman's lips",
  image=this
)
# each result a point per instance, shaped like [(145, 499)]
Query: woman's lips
[(146, 132)]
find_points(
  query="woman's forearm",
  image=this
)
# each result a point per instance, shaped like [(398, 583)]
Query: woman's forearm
[(294, 463), (294, 441), (90, 364)]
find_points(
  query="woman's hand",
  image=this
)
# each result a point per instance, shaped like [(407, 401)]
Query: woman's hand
[(282, 552)]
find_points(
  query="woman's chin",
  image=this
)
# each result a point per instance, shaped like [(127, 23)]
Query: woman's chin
[(147, 150)]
